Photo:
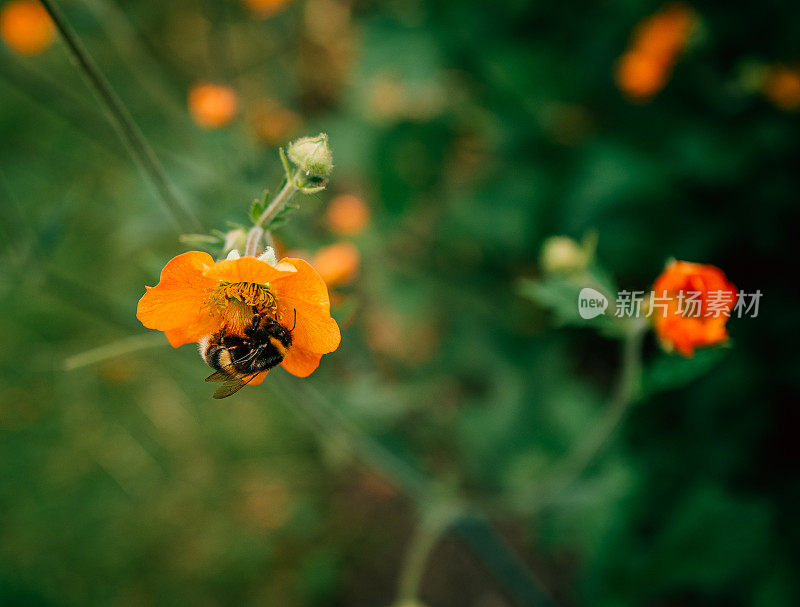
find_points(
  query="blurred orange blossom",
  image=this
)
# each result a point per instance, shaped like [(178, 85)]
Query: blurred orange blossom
[(338, 263), (347, 215), (26, 27), (212, 105), (782, 87), (645, 67), (273, 123), (681, 330)]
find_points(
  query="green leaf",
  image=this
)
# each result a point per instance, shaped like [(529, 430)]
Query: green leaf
[(559, 295), (282, 216), (255, 210), (671, 371), (258, 206)]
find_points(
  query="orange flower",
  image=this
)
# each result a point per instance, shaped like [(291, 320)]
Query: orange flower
[(273, 123), (347, 215), (656, 43), (196, 297), (26, 27), (664, 34), (684, 324), (640, 76), (266, 8), (782, 87), (212, 105), (338, 263)]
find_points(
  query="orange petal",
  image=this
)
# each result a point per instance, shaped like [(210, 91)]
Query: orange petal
[(300, 362), (177, 300), (258, 378), (305, 292), (194, 332), (245, 269)]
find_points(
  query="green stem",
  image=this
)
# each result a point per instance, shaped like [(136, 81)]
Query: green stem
[(128, 130), (59, 102), (288, 190), (254, 237), (511, 572), (126, 345), (257, 232), (623, 397), (434, 523)]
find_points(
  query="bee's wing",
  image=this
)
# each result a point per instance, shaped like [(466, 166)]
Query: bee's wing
[(231, 385), (218, 376)]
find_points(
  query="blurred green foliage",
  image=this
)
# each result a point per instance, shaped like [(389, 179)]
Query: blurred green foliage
[(474, 131)]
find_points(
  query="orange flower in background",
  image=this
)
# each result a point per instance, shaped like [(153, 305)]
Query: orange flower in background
[(347, 215), (664, 34), (645, 67), (338, 263), (26, 27), (640, 76), (212, 105), (699, 300), (782, 88), (266, 8), (197, 297), (273, 123)]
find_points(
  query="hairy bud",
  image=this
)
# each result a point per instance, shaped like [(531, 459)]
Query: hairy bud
[(312, 155)]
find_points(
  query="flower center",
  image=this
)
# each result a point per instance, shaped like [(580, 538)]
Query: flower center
[(236, 302)]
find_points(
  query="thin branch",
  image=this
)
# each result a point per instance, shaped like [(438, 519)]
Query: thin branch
[(511, 572), (60, 103), (434, 523), (128, 130), (622, 398), (254, 237), (257, 232), (285, 195), (126, 345)]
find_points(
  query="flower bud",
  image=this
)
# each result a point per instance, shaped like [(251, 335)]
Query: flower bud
[(312, 155), (562, 254)]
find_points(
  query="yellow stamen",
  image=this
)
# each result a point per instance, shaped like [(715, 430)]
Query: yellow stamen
[(236, 302)]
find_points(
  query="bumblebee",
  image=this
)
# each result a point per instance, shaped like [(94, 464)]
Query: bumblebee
[(237, 359)]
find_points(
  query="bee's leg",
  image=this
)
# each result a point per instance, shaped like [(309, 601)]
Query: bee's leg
[(232, 341), (252, 325)]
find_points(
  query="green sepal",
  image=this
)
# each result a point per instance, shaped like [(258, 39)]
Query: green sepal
[(287, 168), (258, 206)]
